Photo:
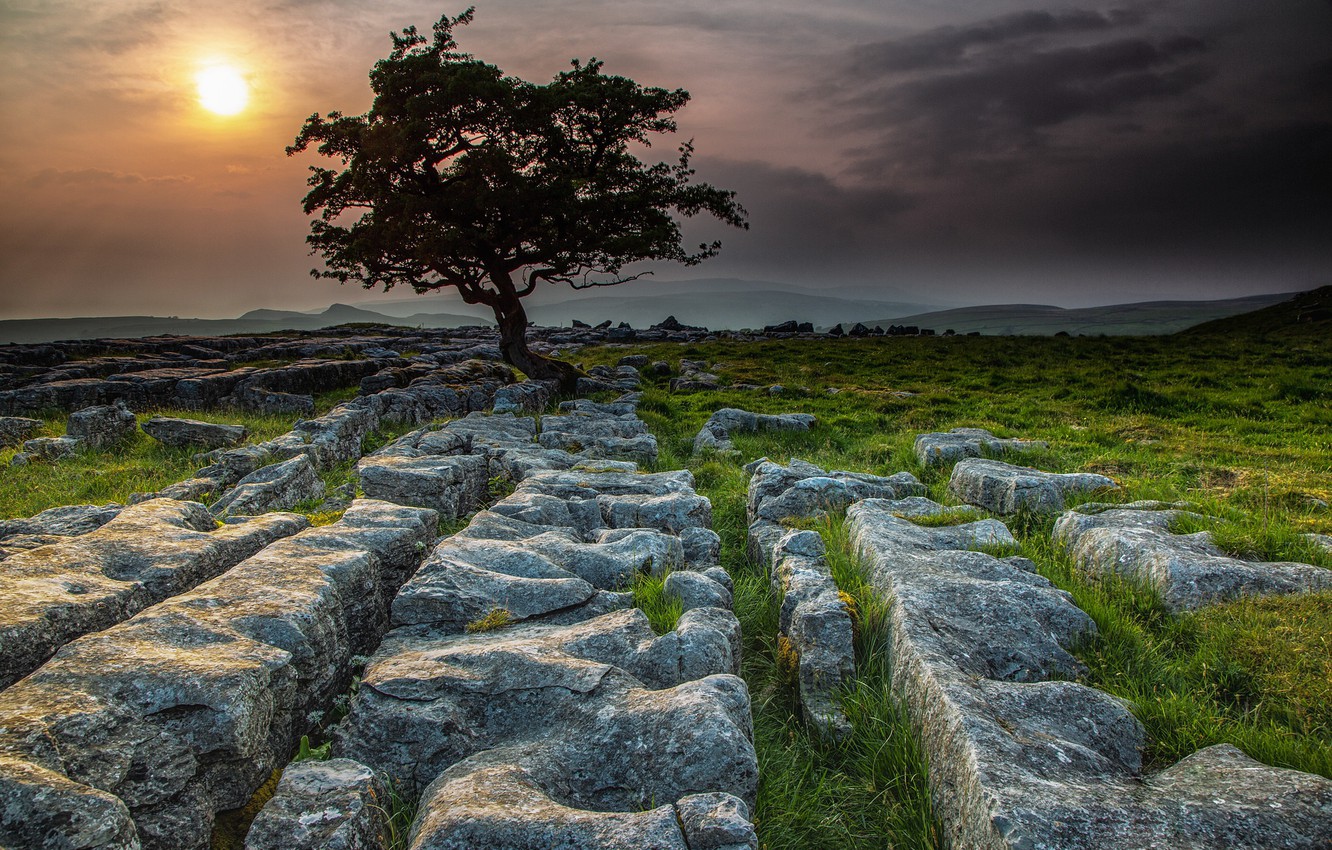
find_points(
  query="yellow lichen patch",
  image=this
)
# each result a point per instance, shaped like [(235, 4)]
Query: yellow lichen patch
[(852, 611), (230, 827), (496, 619), (788, 660)]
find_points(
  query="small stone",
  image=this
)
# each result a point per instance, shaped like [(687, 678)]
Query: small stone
[(102, 426)]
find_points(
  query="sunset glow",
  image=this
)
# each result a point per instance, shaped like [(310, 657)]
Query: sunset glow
[(222, 89)]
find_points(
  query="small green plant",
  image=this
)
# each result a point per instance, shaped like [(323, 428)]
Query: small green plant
[(663, 611), (498, 487), (305, 752), (498, 618)]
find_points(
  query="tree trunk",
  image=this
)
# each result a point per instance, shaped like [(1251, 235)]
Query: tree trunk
[(512, 321)]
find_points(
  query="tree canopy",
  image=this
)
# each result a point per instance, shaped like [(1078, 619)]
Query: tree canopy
[(462, 176)]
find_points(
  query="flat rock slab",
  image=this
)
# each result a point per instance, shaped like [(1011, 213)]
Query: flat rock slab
[(53, 525), (1188, 570), (337, 804), (185, 709), (715, 435), (943, 448), (279, 486), (1020, 760), (1002, 488), (53, 594), (170, 431), (455, 486)]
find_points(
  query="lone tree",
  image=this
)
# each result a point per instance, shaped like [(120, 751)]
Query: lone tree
[(461, 175)]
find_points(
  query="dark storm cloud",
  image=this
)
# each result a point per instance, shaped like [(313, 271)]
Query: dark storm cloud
[(993, 87), (947, 45)]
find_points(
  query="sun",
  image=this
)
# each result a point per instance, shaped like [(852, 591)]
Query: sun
[(222, 89)]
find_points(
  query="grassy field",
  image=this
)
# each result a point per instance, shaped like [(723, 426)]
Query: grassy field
[(1239, 425)]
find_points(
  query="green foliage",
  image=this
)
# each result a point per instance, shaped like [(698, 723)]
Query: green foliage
[(305, 752), (461, 175), (498, 618), (663, 611)]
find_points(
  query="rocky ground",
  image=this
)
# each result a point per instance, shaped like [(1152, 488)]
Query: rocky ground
[(163, 661)]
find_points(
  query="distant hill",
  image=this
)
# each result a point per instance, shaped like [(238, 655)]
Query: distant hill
[(255, 321), (1308, 314), (713, 309), (1144, 318)]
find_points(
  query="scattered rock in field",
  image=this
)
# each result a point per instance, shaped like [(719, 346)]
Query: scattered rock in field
[(636, 361), (1188, 570), (102, 426), (15, 429), (273, 488), (337, 804), (941, 449), (1002, 488), (694, 377), (191, 432), (46, 448), (803, 490), (715, 435), (659, 369), (1322, 540), (1017, 760)]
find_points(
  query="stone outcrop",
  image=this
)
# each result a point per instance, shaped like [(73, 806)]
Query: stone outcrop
[(52, 594), (1020, 759), (815, 620), (1188, 570), (943, 448), (1002, 488), (153, 726), (337, 804), (102, 426), (715, 435), (46, 448), (170, 431), (279, 486), (53, 526), (523, 696)]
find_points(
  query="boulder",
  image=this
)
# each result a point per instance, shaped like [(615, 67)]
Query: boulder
[(715, 435), (337, 804), (191, 432), (696, 590), (943, 448), (48, 449), (102, 426), (1003, 489), (279, 486), (452, 485), (15, 429), (1188, 570)]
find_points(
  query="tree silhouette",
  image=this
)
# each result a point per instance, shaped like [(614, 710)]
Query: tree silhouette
[(463, 176)]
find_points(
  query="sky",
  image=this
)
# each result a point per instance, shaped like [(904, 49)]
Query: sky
[(988, 151)]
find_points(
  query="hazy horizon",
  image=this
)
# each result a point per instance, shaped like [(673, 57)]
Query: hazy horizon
[(1072, 155)]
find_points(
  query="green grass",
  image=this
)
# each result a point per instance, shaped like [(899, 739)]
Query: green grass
[(143, 465), (663, 611), (1237, 427)]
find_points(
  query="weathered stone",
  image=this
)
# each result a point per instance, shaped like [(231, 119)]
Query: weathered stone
[(715, 433), (696, 590), (15, 429), (716, 821), (277, 487), (943, 448), (102, 426), (637, 361), (1017, 761), (53, 594), (1002, 488), (337, 804), (525, 397), (53, 525), (191, 432), (185, 709), (47, 448), (1188, 570), (427, 702), (453, 486)]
